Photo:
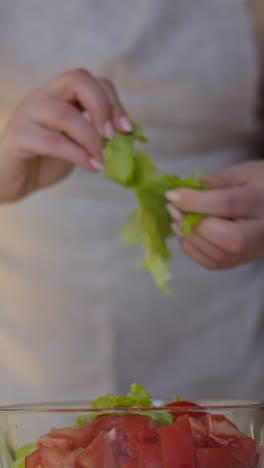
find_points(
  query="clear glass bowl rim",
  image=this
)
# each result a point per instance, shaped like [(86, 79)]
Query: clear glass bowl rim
[(83, 407)]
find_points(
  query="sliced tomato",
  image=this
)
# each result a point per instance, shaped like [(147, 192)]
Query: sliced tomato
[(127, 462), (177, 446), (67, 438), (128, 429), (222, 433), (183, 407), (98, 454), (148, 455), (118, 441), (52, 458), (215, 458), (137, 427), (104, 423), (33, 460), (199, 431)]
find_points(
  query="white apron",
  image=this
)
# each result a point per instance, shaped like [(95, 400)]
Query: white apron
[(77, 317)]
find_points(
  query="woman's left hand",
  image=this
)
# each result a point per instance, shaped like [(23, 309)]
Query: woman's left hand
[(233, 233)]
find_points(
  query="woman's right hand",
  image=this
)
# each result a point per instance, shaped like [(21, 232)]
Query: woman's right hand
[(57, 127)]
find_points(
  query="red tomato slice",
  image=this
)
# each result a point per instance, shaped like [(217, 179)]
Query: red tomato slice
[(33, 460), (199, 430), (129, 429), (184, 405), (137, 427), (215, 458), (223, 433), (148, 455), (126, 462), (177, 446), (51, 458), (105, 422), (119, 442), (98, 454), (67, 438)]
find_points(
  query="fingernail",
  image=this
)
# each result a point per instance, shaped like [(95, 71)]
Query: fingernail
[(173, 196), (109, 130), (175, 214), (126, 124), (177, 230), (96, 164)]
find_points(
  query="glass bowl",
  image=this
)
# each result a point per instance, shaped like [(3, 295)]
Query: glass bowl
[(217, 434)]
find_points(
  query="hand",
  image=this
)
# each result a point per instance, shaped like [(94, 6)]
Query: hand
[(233, 234), (49, 133)]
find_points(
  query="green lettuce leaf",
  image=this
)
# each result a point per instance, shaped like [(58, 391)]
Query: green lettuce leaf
[(136, 398), (21, 453), (149, 225), (6, 459), (189, 222)]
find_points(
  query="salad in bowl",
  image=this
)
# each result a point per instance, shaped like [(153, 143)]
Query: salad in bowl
[(133, 431)]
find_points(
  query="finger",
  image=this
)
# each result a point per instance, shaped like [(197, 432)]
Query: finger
[(64, 117), (224, 179), (209, 250), (80, 85), (175, 214), (44, 142), (196, 256), (120, 117), (252, 232), (225, 234), (238, 174), (235, 202)]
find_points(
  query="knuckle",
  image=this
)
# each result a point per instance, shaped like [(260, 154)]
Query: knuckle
[(107, 83), (239, 244), (219, 257), (78, 75), (236, 243), (94, 144), (227, 205), (54, 142), (62, 112)]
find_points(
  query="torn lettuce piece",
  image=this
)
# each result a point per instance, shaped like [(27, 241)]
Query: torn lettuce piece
[(132, 231), (26, 450), (145, 170), (190, 221), (119, 160), (120, 164), (6, 459), (22, 453), (149, 225), (136, 398), (16, 459)]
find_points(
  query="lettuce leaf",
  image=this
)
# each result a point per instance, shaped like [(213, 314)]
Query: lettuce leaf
[(149, 225), (6, 459), (189, 222), (17, 458), (136, 398)]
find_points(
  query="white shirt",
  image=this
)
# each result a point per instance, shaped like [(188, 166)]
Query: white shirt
[(77, 317)]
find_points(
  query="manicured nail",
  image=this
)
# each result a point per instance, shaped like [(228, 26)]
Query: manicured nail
[(109, 130), (175, 214), (126, 124), (173, 196), (177, 230), (96, 164)]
